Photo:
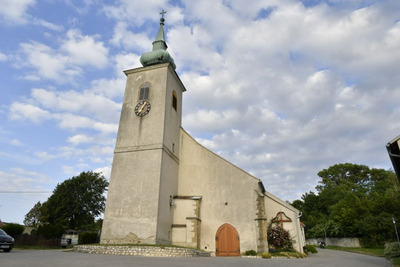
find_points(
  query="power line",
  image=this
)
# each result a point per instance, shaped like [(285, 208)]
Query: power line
[(25, 192)]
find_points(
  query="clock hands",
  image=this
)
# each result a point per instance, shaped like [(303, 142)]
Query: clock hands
[(142, 108)]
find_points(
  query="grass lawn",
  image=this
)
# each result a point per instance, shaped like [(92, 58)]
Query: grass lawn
[(369, 251), (396, 262)]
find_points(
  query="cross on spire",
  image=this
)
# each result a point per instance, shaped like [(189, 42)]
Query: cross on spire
[(162, 13)]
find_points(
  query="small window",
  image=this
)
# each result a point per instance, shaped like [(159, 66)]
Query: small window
[(174, 100), (144, 92)]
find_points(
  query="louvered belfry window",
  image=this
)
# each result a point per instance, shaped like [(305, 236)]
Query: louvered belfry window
[(144, 92)]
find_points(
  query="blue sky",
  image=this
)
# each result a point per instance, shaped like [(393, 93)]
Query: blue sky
[(282, 88)]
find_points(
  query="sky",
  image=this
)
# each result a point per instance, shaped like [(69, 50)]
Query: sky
[(281, 88)]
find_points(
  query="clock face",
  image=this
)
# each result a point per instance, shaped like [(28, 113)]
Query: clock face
[(142, 108)]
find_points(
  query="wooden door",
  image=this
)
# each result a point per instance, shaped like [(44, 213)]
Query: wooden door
[(227, 241)]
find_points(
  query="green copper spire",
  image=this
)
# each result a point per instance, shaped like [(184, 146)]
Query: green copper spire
[(159, 54)]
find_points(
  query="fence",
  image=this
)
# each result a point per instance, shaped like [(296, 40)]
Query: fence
[(29, 240), (339, 242)]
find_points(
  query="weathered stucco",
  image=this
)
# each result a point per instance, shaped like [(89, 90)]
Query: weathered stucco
[(273, 205), (145, 166), (229, 194), (167, 188)]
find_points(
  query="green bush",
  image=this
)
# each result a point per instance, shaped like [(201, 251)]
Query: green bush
[(13, 229), (266, 255), (392, 250), (87, 238), (250, 252), (311, 249), (50, 231)]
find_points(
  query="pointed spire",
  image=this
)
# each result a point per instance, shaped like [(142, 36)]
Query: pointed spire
[(159, 42), (159, 54)]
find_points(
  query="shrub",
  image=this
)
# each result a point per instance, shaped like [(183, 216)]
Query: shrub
[(87, 238), (13, 229), (50, 231), (311, 249), (279, 238), (290, 254), (266, 255), (250, 252), (392, 250)]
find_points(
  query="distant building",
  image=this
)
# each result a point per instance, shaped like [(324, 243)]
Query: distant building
[(166, 188), (393, 148)]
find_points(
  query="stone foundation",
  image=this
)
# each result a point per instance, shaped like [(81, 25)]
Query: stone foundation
[(149, 251)]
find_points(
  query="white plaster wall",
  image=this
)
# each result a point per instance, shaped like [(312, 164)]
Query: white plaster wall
[(228, 193), (273, 205), (132, 202), (173, 118), (168, 187), (145, 166), (144, 131), (183, 208)]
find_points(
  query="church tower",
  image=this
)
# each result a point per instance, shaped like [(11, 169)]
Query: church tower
[(144, 173)]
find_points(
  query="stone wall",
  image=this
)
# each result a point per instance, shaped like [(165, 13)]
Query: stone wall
[(339, 242), (149, 251)]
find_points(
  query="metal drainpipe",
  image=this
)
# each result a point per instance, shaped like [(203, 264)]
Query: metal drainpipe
[(297, 228)]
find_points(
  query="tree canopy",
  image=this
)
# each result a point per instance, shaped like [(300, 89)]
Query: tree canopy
[(352, 201), (32, 218), (74, 204)]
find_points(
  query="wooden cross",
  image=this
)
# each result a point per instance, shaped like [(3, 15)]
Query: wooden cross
[(281, 218), (162, 13)]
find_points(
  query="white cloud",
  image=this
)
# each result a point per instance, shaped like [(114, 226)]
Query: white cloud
[(135, 11), (19, 179), (45, 156), (126, 62), (79, 139), (3, 57), (281, 89), (74, 122), (16, 142), (110, 87), (48, 63), (194, 48), (75, 169), (86, 102), (14, 11), (122, 36), (48, 25), (85, 50), (106, 171), (23, 111), (303, 88), (63, 64)]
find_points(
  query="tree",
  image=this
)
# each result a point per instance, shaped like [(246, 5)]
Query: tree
[(352, 201), (32, 218), (76, 202)]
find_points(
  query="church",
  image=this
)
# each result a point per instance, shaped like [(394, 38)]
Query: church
[(166, 188)]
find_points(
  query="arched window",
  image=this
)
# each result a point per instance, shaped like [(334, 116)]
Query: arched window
[(174, 100), (144, 92)]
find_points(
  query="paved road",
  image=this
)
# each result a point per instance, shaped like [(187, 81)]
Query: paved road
[(50, 258)]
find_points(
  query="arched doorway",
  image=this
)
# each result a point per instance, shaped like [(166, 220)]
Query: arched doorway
[(227, 242)]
